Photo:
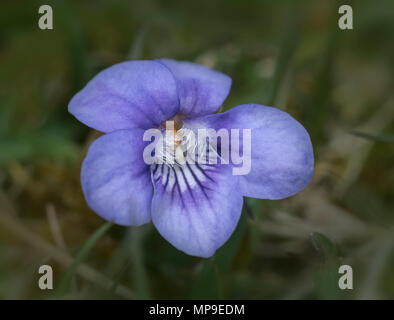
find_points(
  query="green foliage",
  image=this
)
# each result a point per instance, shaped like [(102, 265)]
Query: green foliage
[(327, 275), (80, 257), (289, 54), (380, 137)]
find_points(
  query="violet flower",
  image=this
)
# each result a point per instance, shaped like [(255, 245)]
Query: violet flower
[(195, 207)]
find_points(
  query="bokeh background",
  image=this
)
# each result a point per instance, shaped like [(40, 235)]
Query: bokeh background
[(289, 54)]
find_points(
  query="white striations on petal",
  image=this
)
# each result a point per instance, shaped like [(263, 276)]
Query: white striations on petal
[(178, 165), (184, 178)]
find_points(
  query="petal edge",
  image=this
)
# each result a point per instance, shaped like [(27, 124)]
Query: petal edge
[(131, 94), (201, 90), (115, 181), (196, 211)]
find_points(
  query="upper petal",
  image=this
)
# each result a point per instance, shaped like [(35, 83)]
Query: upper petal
[(133, 94), (201, 90), (281, 150), (115, 180), (195, 207)]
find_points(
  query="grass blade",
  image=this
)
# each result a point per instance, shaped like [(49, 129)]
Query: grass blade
[(81, 256), (138, 43), (286, 54), (327, 276), (138, 270), (208, 282), (381, 138)]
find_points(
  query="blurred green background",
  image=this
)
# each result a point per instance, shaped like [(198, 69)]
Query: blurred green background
[(289, 54)]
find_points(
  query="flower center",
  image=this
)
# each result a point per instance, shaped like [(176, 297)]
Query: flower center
[(179, 145)]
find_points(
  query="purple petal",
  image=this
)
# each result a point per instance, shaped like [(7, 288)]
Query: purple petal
[(133, 94), (281, 150), (201, 90), (115, 180), (195, 207)]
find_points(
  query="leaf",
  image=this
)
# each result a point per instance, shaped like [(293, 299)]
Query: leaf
[(133, 264), (327, 276), (380, 138), (42, 144), (208, 282), (7, 114), (139, 273), (324, 246), (286, 54), (80, 62), (137, 45), (81, 256)]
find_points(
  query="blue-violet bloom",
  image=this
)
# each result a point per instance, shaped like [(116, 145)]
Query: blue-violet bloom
[(195, 207)]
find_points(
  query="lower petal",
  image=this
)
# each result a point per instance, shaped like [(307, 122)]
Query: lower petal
[(115, 180), (195, 207)]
